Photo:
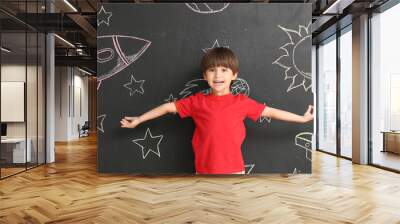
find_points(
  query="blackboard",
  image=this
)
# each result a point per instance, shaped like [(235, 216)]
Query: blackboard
[(149, 54)]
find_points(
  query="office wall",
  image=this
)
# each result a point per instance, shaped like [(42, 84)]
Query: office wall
[(71, 102), (16, 73)]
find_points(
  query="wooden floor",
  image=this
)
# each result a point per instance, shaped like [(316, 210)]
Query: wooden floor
[(71, 191)]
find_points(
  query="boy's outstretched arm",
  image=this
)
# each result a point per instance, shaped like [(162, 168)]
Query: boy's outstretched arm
[(288, 116), (132, 122)]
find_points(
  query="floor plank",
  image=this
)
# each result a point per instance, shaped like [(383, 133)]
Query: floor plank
[(71, 191)]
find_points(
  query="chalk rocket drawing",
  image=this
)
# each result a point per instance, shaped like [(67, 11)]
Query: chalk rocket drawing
[(118, 53), (100, 120), (103, 17), (215, 44), (170, 99), (249, 168), (134, 86), (239, 86), (149, 144), (207, 8), (304, 141), (298, 39)]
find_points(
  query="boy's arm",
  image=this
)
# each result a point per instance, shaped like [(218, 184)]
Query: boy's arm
[(288, 116), (132, 122)]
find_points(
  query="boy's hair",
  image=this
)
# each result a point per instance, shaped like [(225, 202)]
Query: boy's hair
[(220, 56)]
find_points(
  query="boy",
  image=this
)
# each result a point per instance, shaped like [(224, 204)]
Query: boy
[(218, 116)]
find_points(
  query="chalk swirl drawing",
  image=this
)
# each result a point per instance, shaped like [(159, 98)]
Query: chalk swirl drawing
[(103, 17), (118, 52), (249, 168), (149, 143), (215, 44), (207, 8), (100, 120), (289, 61), (238, 86), (134, 86), (304, 141)]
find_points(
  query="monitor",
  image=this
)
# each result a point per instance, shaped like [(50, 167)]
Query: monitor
[(3, 129)]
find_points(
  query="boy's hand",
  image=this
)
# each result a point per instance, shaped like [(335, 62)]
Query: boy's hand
[(309, 114), (130, 122)]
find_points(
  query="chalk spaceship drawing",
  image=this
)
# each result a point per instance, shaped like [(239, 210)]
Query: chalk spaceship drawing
[(118, 53)]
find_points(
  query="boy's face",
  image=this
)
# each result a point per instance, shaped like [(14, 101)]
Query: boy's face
[(219, 78)]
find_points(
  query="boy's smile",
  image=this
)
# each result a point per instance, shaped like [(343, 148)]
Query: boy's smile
[(219, 78)]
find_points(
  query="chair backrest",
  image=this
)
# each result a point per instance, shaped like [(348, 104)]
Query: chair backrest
[(86, 125)]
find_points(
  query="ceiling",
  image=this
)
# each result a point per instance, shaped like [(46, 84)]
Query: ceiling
[(76, 23)]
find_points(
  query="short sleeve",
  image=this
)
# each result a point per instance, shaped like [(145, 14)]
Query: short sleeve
[(254, 109), (185, 106)]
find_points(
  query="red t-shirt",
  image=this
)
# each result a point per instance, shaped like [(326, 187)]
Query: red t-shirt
[(220, 129)]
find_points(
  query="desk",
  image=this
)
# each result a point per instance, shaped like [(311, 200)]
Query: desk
[(15, 148), (391, 141)]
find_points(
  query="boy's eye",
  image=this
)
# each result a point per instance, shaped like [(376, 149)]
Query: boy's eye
[(224, 69)]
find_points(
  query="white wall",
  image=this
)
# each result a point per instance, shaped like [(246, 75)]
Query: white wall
[(70, 94)]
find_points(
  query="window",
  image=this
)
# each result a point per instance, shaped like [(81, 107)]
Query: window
[(327, 95), (385, 88), (346, 92)]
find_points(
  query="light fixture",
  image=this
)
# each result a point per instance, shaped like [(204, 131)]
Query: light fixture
[(84, 71), (5, 50), (70, 5), (64, 40)]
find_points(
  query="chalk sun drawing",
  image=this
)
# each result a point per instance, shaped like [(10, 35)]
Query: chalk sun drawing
[(289, 61), (117, 53)]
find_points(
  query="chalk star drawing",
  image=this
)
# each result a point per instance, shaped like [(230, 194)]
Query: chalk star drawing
[(103, 17), (296, 171), (207, 8), (118, 53), (289, 61), (153, 141), (249, 168), (264, 119), (304, 141), (135, 86), (100, 120), (170, 99), (239, 86), (215, 44)]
